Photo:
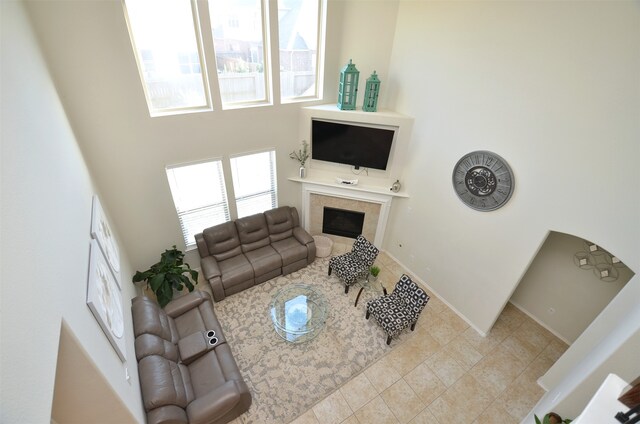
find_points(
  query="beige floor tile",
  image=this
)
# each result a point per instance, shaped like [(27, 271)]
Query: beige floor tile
[(351, 420), (467, 395), (436, 304), (512, 316), (497, 370), (454, 320), (375, 412), (423, 341), (333, 409), (424, 417), (382, 374), (485, 344), (445, 411), (406, 357), (307, 418), (425, 383), (462, 351), (522, 349), (358, 392), (402, 401), (442, 331), (495, 414), (520, 396), (445, 367)]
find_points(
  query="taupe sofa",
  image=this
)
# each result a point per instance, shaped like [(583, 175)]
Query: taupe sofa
[(238, 254), (187, 373)]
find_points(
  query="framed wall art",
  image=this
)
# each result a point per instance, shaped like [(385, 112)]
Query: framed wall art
[(105, 300), (101, 231)]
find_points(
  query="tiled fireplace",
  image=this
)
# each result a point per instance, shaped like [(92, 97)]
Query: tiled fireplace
[(375, 206)]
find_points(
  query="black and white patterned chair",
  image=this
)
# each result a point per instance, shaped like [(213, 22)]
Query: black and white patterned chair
[(355, 264), (400, 309)]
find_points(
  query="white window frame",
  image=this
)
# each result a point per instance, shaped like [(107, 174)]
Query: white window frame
[(267, 55), (322, 33), (153, 112), (190, 244), (274, 186)]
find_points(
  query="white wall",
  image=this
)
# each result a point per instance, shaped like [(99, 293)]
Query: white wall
[(46, 192), (576, 295), (552, 87)]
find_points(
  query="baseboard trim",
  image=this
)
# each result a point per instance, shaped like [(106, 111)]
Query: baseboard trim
[(442, 299), (542, 324)]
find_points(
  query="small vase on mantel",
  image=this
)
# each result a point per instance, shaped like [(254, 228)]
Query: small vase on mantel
[(303, 172)]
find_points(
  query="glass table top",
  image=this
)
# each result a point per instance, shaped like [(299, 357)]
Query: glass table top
[(298, 312)]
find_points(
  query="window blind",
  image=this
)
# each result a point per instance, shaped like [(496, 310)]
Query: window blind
[(199, 196), (255, 182)]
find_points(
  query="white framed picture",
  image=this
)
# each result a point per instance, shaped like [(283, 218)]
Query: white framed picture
[(101, 231), (105, 300)]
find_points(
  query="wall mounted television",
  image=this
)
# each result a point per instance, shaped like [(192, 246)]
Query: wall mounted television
[(350, 143)]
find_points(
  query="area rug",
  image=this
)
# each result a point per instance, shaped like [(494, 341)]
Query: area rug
[(287, 379)]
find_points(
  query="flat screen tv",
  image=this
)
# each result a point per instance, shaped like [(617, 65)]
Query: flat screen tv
[(351, 143)]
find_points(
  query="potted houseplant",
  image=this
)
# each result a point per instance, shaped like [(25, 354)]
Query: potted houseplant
[(551, 418), (170, 274), (301, 156), (373, 272)]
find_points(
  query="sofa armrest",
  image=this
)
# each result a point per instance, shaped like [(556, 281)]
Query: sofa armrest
[(210, 268), (214, 404), (169, 414), (302, 236), (185, 303)]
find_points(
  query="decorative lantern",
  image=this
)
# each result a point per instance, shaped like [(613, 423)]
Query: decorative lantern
[(371, 91), (348, 87)]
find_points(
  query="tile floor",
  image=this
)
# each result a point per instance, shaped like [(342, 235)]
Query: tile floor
[(444, 371)]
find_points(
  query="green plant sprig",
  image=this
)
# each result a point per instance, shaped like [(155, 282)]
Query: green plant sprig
[(302, 154)]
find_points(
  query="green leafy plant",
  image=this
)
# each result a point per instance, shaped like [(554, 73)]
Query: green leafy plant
[(302, 154), (168, 274), (374, 270), (552, 418)]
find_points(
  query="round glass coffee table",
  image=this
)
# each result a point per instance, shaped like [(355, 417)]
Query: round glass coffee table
[(298, 312)]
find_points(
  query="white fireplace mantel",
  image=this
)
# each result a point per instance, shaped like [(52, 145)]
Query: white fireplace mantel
[(373, 194)]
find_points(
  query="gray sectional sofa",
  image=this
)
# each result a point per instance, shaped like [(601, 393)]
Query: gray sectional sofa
[(239, 254), (187, 371)]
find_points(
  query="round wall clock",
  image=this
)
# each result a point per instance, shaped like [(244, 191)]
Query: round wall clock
[(483, 180)]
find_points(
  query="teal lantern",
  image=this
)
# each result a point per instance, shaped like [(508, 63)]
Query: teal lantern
[(348, 87), (371, 91)]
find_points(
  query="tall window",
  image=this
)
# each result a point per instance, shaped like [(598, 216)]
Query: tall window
[(299, 38), (168, 49), (199, 195), (170, 54), (254, 182), (239, 42)]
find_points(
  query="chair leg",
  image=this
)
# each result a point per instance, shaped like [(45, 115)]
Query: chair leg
[(413, 326), (346, 288), (367, 315), (329, 273), (388, 340)]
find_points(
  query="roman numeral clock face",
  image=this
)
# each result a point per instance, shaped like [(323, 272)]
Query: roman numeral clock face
[(483, 180)]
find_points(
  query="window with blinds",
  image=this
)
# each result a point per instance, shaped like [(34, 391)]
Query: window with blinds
[(199, 195), (254, 182)]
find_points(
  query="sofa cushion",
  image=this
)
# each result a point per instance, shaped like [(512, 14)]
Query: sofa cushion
[(206, 373), (235, 270), (290, 250), (222, 241), (264, 260), (149, 318), (164, 382), (149, 344), (280, 223), (253, 232)]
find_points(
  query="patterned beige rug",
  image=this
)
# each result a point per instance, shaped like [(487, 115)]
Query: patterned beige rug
[(287, 379)]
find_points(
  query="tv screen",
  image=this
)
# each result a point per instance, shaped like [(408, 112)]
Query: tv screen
[(351, 144)]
